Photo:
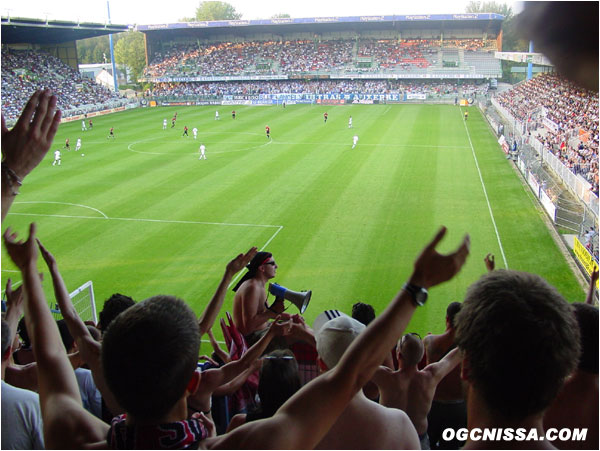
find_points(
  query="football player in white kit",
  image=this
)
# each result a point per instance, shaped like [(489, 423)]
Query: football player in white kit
[(56, 157)]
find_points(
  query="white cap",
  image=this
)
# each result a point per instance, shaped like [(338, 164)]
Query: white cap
[(334, 332)]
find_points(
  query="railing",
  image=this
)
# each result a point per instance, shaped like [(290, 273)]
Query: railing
[(577, 184)]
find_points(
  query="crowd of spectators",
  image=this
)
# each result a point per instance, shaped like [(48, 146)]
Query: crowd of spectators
[(573, 115), (142, 386), (344, 86), (309, 56), (294, 56), (401, 54), (24, 71)]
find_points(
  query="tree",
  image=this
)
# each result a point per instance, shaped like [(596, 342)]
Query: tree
[(216, 11), (489, 7), (91, 51), (511, 41), (130, 52), (280, 16)]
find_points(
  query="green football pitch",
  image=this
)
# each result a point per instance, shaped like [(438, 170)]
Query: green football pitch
[(142, 215)]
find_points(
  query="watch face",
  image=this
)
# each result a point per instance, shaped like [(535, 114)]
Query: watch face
[(421, 296)]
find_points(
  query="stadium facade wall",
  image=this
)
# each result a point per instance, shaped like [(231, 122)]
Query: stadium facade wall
[(322, 99), (456, 75)]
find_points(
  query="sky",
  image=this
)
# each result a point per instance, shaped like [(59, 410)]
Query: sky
[(125, 12)]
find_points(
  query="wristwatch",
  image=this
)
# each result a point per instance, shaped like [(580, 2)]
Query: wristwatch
[(418, 294)]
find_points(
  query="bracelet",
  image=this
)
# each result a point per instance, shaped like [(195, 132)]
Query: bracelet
[(12, 178)]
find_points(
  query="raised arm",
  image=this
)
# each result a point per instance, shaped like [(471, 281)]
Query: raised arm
[(490, 264), (440, 369), (27, 143), (235, 367), (62, 411), (301, 331), (14, 308), (208, 317), (593, 280), (26, 376), (216, 377), (224, 356), (326, 396), (236, 383), (89, 348)]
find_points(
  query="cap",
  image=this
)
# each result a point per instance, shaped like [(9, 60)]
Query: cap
[(334, 332)]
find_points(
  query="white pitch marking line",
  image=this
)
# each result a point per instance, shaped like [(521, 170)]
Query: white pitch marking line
[(10, 270), (484, 191), (279, 227), (376, 145), (62, 203), (208, 341), (167, 221)]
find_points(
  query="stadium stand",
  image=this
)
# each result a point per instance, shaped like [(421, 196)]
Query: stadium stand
[(219, 89), (320, 56), (24, 71), (570, 118)]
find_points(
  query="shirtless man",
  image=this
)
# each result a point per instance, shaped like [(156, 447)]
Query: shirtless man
[(576, 405), (448, 408), (68, 425), (411, 389), (386, 428), (250, 312), (507, 382)]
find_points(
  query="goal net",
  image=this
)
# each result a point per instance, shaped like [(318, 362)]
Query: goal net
[(84, 302)]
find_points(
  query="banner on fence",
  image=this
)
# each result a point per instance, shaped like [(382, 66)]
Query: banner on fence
[(585, 258)]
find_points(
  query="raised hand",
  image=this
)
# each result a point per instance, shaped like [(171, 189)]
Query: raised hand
[(21, 252), (239, 262), (209, 360), (432, 268), (280, 328), (27, 143), (14, 298), (277, 306), (490, 264), (207, 423), (46, 255)]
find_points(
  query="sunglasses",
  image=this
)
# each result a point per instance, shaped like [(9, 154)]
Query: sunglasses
[(270, 263)]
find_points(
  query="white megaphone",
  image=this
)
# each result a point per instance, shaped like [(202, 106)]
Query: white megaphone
[(299, 299)]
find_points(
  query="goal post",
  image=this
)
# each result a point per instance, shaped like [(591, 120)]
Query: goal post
[(83, 301)]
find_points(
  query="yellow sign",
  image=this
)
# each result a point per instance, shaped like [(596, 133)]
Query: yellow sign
[(585, 258)]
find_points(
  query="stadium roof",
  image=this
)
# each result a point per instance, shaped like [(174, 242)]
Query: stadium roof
[(491, 22), (36, 31)]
